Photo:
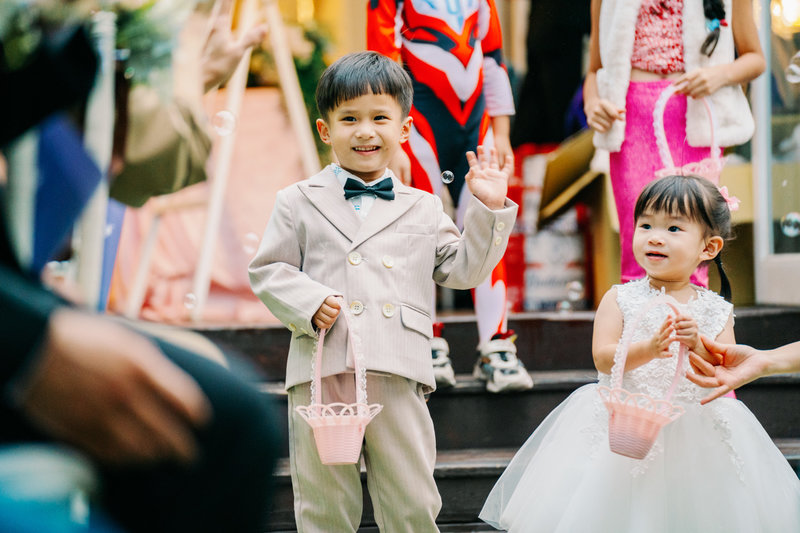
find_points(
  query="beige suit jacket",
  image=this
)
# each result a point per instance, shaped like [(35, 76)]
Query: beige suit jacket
[(315, 245)]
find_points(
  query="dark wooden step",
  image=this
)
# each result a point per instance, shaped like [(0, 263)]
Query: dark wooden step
[(464, 479), (466, 416), (546, 340)]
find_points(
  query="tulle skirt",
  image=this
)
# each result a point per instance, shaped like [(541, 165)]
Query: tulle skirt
[(714, 469)]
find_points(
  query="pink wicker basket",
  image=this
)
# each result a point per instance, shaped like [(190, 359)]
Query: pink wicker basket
[(634, 419), (709, 168), (339, 427)]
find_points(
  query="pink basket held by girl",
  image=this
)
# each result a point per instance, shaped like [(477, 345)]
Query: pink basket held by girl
[(634, 419)]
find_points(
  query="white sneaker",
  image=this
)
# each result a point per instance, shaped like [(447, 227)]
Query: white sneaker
[(442, 368), (499, 367)]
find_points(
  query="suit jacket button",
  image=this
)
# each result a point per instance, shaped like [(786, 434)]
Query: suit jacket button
[(292, 327), (388, 261), (354, 258), (500, 226), (388, 310), (498, 241), (356, 307)]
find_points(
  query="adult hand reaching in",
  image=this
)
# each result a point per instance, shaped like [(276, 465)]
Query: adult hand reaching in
[(222, 51), (111, 392), (739, 364)]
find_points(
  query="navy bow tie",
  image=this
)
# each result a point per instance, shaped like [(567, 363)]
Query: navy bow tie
[(382, 189)]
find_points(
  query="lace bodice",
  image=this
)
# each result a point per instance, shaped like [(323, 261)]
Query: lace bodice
[(658, 39), (654, 378)]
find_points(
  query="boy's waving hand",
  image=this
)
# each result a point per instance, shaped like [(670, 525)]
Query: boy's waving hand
[(486, 180)]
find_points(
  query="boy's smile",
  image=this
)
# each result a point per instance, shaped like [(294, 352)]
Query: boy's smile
[(364, 133)]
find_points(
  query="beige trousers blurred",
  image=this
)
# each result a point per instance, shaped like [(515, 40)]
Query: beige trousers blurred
[(399, 452)]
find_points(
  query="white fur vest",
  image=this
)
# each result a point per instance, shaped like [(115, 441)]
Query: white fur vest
[(731, 109)]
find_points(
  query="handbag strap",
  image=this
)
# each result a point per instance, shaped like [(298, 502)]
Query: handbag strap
[(661, 135), (619, 362), (354, 347)]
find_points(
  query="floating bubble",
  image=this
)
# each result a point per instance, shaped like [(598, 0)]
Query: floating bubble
[(224, 123), (448, 177), (574, 291), (190, 301), (793, 69), (250, 243), (790, 224), (564, 306)]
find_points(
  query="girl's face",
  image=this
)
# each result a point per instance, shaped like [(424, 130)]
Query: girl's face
[(670, 246)]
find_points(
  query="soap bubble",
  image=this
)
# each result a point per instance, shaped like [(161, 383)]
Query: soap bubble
[(250, 243), (224, 123), (574, 291), (190, 301), (790, 224), (448, 177)]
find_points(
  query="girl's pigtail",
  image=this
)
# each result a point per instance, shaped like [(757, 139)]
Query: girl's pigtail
[(715, 17), (724, 284)]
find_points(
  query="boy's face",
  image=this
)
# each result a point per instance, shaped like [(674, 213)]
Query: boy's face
[(365, 133)]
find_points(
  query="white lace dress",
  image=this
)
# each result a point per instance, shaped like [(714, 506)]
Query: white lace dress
[(714, 469)]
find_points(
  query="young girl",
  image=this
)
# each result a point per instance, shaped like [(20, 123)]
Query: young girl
[(639, 47), (714, 468)]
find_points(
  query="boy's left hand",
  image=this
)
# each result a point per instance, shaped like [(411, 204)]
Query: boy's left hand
[(486, 180)]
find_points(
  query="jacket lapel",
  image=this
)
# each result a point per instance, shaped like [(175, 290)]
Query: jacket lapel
[(325, 193), (384, 212)]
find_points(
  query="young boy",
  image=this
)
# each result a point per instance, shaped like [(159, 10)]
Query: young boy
[(378, 250)]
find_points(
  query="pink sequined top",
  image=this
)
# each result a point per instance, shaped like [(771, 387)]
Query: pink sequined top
[(658, 45)]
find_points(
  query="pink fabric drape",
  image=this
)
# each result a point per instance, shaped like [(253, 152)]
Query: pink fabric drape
[(265, 160)]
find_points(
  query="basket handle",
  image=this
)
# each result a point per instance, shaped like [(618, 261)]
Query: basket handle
[(661, 135), (354, 347), (619, 363)]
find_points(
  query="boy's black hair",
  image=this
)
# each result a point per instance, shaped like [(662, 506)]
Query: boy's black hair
[(713, 10), (362, 73), (697, 199)]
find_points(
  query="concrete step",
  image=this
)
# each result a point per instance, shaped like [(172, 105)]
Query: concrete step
[(466, 416), (464, 478), (546, 340)]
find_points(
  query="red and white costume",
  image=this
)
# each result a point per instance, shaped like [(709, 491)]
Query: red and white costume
[(452, 50)]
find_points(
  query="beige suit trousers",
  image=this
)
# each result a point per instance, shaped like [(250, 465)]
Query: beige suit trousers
[(399, 452)]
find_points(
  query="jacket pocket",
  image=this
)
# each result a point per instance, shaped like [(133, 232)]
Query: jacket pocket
[(416, 319)]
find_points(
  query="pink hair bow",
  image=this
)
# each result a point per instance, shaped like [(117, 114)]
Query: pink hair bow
[(733, 202), (709, 168)]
